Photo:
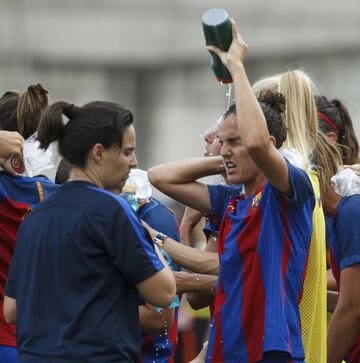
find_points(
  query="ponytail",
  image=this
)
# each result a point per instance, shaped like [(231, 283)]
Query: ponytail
[(52, 127), (95, 122), (22, 112), (31, 105), (327, 160), (347, 138)]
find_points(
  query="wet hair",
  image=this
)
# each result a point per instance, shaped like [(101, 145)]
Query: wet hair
[(63, 172), (21, 112), (273, 105), (95, 122), (334, 117)]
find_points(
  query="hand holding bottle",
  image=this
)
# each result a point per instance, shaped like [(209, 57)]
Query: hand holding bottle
[(235, 56), (11, 151)]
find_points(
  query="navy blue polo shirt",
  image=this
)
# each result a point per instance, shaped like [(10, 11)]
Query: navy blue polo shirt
[(78, 257)]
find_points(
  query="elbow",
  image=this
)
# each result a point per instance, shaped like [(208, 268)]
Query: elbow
[(9, 311), (168, 295), (351, 309), (10, 318), (197, 303), (153, 176)]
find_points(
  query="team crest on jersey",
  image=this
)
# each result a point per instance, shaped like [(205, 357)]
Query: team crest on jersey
[(256, 200)]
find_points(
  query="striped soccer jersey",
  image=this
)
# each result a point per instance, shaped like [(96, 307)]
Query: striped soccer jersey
[(264, 242), (18, 195), (345, 249)]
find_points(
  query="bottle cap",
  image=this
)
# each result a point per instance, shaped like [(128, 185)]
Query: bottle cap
[(214, 17)]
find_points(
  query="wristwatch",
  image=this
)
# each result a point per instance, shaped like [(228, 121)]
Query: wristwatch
[(160, 239)]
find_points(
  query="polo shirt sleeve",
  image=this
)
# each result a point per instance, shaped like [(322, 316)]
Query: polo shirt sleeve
[(348, 234), (130, 246)]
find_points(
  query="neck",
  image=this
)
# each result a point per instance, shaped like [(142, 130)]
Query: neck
[(86, 175), (252, 186)]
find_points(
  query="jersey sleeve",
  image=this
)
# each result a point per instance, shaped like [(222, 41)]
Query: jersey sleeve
[(161, 218), (131, 247), (348, 235), (300, 185)]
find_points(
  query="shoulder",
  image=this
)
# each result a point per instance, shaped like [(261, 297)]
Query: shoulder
[(348, 209)]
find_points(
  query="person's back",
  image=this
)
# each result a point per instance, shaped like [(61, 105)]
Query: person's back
[(18, 195), (80, 274), (313, 302)]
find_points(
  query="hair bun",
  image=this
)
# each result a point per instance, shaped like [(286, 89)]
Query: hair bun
[(275, 100), (69, 110)]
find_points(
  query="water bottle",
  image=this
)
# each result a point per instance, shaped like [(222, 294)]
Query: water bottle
[(128, 193), (15, 165), (218, 32)]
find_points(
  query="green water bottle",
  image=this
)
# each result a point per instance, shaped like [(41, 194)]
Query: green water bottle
[(218, 32)]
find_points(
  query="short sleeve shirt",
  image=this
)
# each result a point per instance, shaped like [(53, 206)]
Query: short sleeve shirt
[(78, 257)]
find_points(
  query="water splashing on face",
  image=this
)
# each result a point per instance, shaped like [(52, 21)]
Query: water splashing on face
[(228, 95)]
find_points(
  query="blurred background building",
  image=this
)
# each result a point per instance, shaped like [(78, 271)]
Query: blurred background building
[(150, 56)]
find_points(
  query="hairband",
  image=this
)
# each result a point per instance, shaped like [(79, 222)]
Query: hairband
[(328, 121), (69, 110)]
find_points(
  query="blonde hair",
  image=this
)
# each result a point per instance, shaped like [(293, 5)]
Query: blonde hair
[(300, 114), (302, 122)]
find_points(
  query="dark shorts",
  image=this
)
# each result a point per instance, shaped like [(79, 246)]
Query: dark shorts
[(279, 357)]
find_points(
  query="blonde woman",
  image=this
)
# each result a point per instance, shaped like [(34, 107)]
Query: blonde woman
[(307, 147)]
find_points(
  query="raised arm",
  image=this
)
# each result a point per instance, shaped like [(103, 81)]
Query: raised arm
[(345, 323), (250, 118), (178, 180)]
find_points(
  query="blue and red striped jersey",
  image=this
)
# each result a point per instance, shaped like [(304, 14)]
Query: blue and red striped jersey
[(263, 250), (160, 348), (345, 248), (18, 195)]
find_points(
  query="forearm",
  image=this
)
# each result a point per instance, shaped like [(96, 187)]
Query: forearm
[(190, 219), (247, 108), (205, 284), (192, 259), (185, 171), (332, 299), (179, 180), (343, 329), (153, 321)]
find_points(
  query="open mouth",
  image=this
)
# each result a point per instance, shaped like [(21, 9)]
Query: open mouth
[(230, 167)]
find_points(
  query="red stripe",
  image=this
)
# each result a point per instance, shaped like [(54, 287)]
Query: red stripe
[(11, 215), (328, 121), (286, 251), (253, 311), (218, 348)]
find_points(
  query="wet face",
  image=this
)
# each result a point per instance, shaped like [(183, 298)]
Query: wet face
[(239, 166), (212, 143), (117, 161)]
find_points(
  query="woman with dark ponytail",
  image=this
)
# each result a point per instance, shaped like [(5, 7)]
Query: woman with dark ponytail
[(83, 251), (19, 117), (335, 122)]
